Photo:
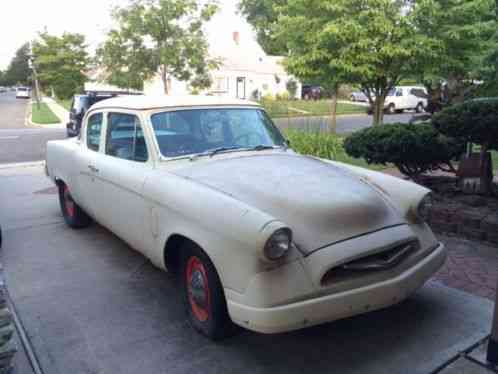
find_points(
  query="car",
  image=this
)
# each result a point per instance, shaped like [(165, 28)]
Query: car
[(258, 235), (358, 96), (406, 98), (82, 102), (2, 89), (23, 93), (310, 92)]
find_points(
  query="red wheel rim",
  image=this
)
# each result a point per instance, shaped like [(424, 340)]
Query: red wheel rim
[(198, 289), (68, 202)]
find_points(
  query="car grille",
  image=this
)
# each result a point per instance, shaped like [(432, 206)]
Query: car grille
[(381, 261)]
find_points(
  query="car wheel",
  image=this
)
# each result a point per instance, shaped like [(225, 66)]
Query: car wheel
[(352, 98), (419, 108), (203, 295), (391, 109), (74, 216)]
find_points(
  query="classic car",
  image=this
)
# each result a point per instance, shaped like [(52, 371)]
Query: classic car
[(259, 235)]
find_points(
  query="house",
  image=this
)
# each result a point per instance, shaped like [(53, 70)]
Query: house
[(246, 71)]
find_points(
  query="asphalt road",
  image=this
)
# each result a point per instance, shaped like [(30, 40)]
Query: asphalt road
[(19, 143)]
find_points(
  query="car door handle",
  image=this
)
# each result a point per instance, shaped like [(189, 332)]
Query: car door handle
[(93, 169)]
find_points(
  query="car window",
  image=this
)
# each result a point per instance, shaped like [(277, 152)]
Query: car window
[(93, 131), (125, 138), (399, 92), (187, 132)]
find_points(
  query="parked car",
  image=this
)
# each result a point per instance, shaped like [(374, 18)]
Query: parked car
[(404, 98), (358, 96), (260, 236), (23, 93), (3, 89), (80, 105), (309, 92)]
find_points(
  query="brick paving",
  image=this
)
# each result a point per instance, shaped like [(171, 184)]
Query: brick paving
[(471, 267)]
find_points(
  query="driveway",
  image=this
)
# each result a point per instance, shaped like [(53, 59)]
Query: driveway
[(90, 304), (19, 143)]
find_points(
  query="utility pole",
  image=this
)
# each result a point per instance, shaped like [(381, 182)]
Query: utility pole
[(492, 356), (35, 76)]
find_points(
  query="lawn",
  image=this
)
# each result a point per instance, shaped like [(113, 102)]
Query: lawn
[(43, 115), (66, 103), (325, 145), (300, 108)]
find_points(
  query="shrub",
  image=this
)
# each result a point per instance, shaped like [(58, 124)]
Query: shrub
[(474, 121), (323, 145), (284, 96), (413, 149)]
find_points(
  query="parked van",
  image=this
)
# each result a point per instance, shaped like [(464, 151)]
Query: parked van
[(406, 97)]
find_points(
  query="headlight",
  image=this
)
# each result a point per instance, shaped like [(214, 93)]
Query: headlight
[(424, 208), (278, 244)]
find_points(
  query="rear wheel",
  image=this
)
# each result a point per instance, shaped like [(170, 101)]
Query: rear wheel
[(203, 295), (419, 108), (391, 109), (353, 98), (73, 215)]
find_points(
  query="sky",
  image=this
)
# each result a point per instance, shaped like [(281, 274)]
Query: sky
[(21, 20)]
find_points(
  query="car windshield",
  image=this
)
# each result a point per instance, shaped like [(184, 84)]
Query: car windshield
[(204, 131)]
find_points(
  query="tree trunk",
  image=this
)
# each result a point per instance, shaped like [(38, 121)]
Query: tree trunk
[(164, 78), (333, 113), (378, 110)]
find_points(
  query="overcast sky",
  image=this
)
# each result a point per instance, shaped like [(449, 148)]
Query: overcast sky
[(21, 20)]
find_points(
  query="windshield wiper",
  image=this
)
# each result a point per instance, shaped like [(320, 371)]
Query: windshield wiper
[(212, 152), (261, 147)]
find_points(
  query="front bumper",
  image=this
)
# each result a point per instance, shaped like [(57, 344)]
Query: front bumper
[(339, 305)]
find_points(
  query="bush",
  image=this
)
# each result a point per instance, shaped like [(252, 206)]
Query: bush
[(413, 149), (474, 121), (323, 145), (284, 96)]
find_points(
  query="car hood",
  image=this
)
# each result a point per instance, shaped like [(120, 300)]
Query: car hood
[(321, 203)]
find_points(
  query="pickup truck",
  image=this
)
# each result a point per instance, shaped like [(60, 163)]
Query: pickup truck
[(258, 235)]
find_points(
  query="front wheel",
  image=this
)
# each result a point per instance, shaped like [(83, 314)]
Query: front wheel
[(391, 109), (419, 108), (73, 215), (203, 295)]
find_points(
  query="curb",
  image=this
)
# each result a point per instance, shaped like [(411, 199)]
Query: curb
[(22, 165)]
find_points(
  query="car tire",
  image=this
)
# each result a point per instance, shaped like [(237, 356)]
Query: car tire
[(74, 216), (203, 295), (391, 109), (419, 108), (352, 98)]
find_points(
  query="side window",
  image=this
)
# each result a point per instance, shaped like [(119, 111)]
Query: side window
[(399, 92), (93, 131), (125, 138)]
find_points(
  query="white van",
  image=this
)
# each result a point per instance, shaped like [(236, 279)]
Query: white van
[(406, 97), (23, 93)]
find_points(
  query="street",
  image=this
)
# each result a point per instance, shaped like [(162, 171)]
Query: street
[(19, 143)]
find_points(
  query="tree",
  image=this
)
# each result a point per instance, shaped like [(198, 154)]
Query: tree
[(263, 16), (18, 71), (164, 36), (370, 43), (463, 29), (61, 62)]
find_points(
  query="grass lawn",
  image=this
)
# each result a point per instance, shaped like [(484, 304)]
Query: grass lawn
[(43, 115), (66, 103), (300, 108)]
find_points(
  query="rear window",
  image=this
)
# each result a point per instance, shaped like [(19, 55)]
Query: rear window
[(22, 89)]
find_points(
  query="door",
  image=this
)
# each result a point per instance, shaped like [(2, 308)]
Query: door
[(241, 87), (122, 170), (86, 160)]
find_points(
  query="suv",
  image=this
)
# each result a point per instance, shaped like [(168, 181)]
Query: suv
[(81, 104), (406, 97)]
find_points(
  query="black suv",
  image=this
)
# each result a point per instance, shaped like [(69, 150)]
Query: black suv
[(81, 104)]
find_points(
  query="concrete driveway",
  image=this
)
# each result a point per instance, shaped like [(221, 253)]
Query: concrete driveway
[(90, 304)]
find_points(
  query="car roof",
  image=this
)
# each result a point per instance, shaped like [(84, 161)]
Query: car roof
[(155, 102)]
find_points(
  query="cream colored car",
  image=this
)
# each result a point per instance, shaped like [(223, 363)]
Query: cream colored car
[(259, 235)]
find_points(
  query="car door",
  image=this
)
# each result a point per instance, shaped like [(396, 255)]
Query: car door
[(86, 160), (123, 167)]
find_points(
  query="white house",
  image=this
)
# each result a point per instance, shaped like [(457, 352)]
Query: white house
[(246, 70)]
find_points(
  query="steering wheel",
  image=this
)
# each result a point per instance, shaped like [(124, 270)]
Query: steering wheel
[(247, 136)]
